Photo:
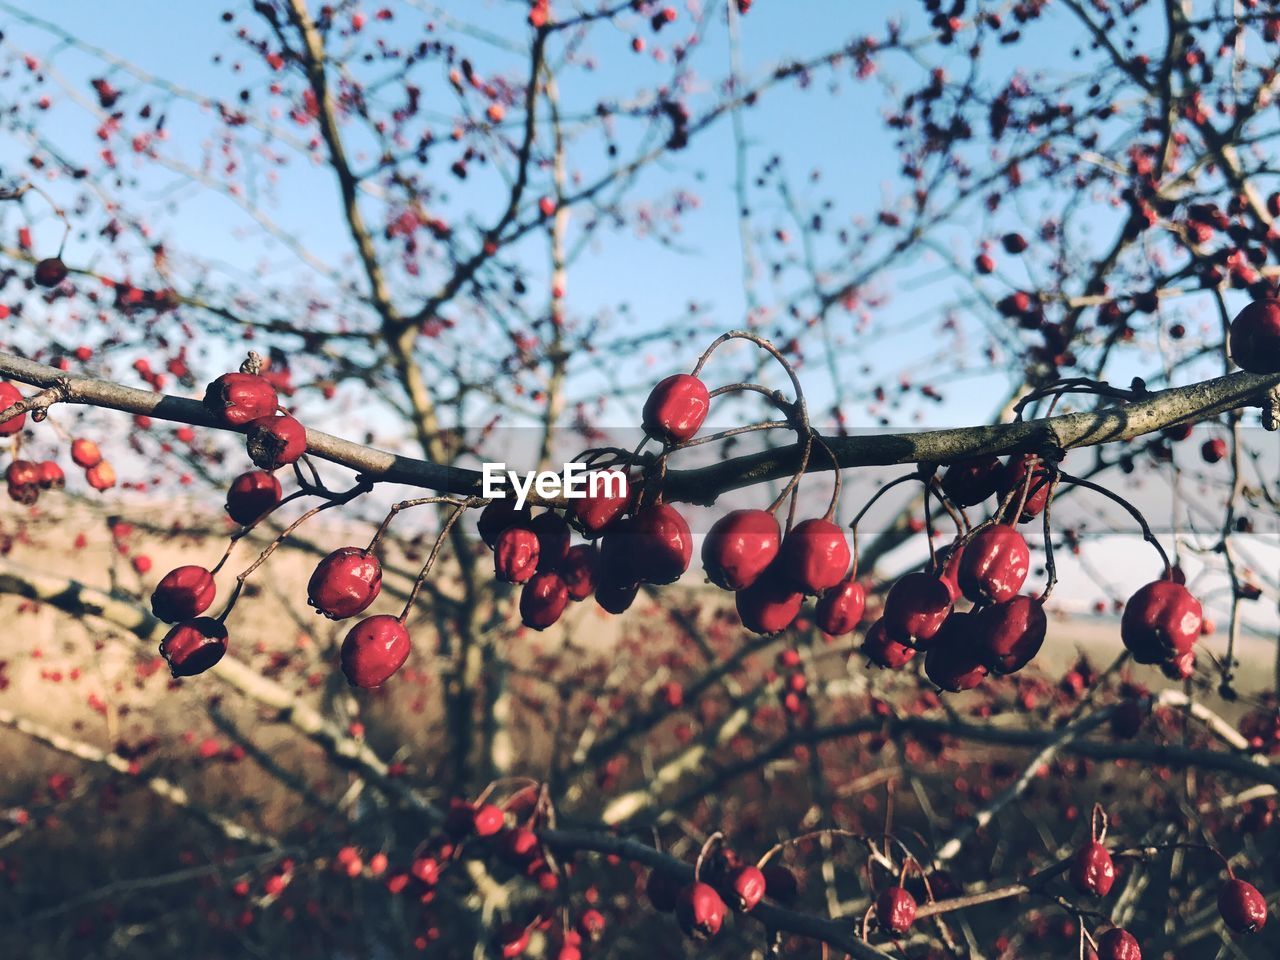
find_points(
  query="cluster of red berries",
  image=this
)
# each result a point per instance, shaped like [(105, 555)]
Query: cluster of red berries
[(722, 882), (27, 478)]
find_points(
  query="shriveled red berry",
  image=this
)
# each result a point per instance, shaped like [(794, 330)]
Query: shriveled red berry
[(700, 911), (739, 547), (515, 555), (883, 650), (1092, 869), (1010, 634), (497, 516), (916, 607), (274, 442), (51, 475), (194, 646), (954, 660), (1254, 337), (994, 565), (1118, 944), (579, 571), (373, 650), (608, 498), (85, 453), (745, 886), (1243, 908), (345, 582), (251, 495), (661, 544), (815, 555), (542, 600), (1160, 622), (183, 594), (50, 272), (840, 609), (968, 482), (9, 395), (769, 605), (236, 399), (676, 408), (896, 909)]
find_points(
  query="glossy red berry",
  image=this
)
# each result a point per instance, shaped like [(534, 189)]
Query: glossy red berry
[(815, 555), (676, 408), (183, 594), (1243, 908), (885, 651), (896, 910), (579, 571), (542, 600), (916, 607), (954, 660), (1010, 634), (194, 646), (515, 555), (769, 605), (553, 539), (9, 395), (994, 565), (487, 820), (603, 505), (1118, 944), (745, 886), (739, 547), (274, 442), (373, 650), (841, 608), (1013, 481), (251, 495), (700, 911), (1160, 622), (948, 568), (237, 399), (661, 544), (50, 272), (497, 516), (1254, 337), (968, 482), (1092, 870), (85, 453), (345, 582)]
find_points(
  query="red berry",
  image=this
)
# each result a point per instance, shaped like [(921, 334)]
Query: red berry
[(1179, 667), (194, 646), (660, 543), (9, 395), (553, 539), (1160, 622), (739, 546), (497, 516), (101, 476), (515, 555), (746, 886), (542, 600), (968, 482), (51, 475), (511, 940), (954, 661), (595, 514), (948, 559), (1013, 243), (345, 583), (1254, 338), (769, 605), (1242, 907), (85, 453), (916, 607), (896, 910), (841, 608), (1013, 478), (373, 650), (1092, 870), (183, 594), (815, 555), (700, 911), (578, 571), (1011, 633), (615, 595), (236, 399), (883, 650), (1213, 450), (1118, 944), (50, 272), (487, 820), (994, 565), (984, 264), (251, 495), (274, 442), (676, 408)]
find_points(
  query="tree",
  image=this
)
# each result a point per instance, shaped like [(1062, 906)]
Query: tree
[(371, 220)]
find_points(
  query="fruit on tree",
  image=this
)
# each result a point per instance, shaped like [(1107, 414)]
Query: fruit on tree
[(580, 571), (1118, 944), (9, 395), (1243, 908), (1160, 622), (885, 651), (615, 595), (896, 909), (237, 399), (598, 511), (916, 607), (739, 547), (1010, 634), (194, 646), (769, 605), (745, 887), (1013, 481), (1254, 337), (85, 453), (273, 442), (50, 272), (840, 608), (543, 599), (497, 516), (553, 539), (954, 658), (251, 495), (515, 555), (993, 565), (700, 911), (24, 481), (487, 820), (676, 408), (183, 594), (660, 543), (373, 650), (101, 476), (51, 475), (345, 582), (1211, 451), (968, 482), (1092, 870), (815, 555)]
